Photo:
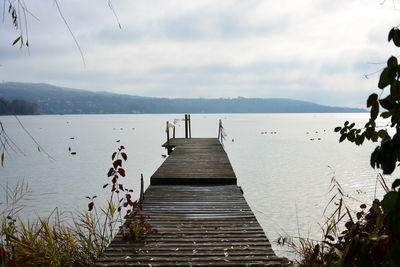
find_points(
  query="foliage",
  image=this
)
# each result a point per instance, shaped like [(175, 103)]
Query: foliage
[(52, 242), (387, 154), (134, 224), (369, 237), (372, 236)]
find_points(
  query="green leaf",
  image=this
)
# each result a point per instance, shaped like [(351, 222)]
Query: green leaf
[(389, 201), (17, 40), (337, 129), (351, 137), (372, 99), (374, 157), (392, 62), (361, 139), (383, 134), (390, 36), (387, 76), (388, 159), (395, 89), (374, 136), (368, 133), (396, 37), (386, 114), (396, 183), (388, 102), (341, 139), (374, 111)]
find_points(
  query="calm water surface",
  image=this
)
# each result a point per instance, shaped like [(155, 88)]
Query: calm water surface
[(285, 175)]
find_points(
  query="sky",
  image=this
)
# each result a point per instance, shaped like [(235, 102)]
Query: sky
[(313, 50)]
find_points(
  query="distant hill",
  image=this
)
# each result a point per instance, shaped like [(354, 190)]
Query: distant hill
[(58, 100)]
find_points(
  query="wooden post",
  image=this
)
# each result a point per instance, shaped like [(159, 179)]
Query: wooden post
[(141, 188), (168, 146), (219, 129), (190, 127), (186, 126), (173, 133)]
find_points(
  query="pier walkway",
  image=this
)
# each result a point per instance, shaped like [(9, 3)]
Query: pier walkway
[(200, 212)]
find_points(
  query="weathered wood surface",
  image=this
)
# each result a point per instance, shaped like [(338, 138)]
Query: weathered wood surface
[(195, 161), (192, 141), (200, 213), (199, 226)]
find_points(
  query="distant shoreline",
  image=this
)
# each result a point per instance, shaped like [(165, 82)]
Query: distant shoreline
[(51, 99)]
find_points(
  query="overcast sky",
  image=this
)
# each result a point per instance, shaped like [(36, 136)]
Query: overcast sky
[(315, 50)]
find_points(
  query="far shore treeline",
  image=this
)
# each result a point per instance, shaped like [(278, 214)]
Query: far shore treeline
[(34, 98), (17, 107)]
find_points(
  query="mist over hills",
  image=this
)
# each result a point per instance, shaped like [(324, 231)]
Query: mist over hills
[(59, 100)]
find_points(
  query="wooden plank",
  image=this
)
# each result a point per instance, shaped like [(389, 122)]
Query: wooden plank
[(200, 213), (195, 161), (217, 235)]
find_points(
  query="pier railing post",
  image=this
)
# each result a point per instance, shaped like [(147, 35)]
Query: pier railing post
[(219, 130), (186, 126), (190, 127), (168, 145), (141, 187)]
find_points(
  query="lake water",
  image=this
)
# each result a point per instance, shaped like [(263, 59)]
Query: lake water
[(285, 175)]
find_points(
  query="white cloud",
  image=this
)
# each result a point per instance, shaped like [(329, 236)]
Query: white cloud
[(313, 49)]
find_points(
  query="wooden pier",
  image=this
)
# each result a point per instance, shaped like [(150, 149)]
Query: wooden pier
[(200, 212)]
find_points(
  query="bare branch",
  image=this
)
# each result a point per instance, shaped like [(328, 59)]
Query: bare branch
[(70, 31), (115, 14)]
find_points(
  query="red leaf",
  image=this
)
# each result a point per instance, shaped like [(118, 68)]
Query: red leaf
[(90, 206), (121, 187), (117, 163), (122, 172), (124, 156), (111, 172), (119, 208), (11, 263), (122, 147), (3, 255), (113, 155), (104, 186), (114, 179)]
